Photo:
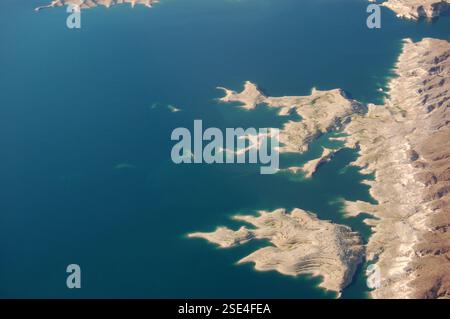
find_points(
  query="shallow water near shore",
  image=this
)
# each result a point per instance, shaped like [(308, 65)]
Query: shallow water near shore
[(86, 173)]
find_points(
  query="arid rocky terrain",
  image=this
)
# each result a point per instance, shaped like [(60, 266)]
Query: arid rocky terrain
[(86, 4), (301, 244), (406, 144)]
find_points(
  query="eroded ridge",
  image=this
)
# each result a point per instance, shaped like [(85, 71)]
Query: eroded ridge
[(320, 112), (406, 143), (310, 167), (301, 244)]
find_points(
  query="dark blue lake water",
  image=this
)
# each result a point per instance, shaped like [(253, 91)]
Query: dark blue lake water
[(86, 173)]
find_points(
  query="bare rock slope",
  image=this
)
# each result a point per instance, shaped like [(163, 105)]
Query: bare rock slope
[(406, 143)]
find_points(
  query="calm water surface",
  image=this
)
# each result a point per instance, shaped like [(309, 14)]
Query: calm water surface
[(86, 174)]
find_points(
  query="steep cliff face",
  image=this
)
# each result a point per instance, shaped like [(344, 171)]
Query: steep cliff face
[(406, 143)]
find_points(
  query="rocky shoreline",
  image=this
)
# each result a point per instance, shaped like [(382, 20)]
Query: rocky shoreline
[(300, 244), (319, 113), (309, 168), (86, 4), (406, 144), (416, 9)]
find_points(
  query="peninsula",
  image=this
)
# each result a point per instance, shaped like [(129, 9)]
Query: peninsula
[(300, 244), (310, 167), (416, 9), (320, 112)]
